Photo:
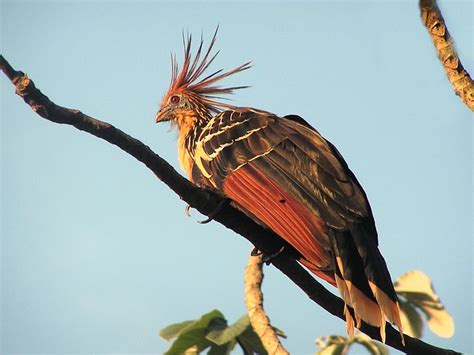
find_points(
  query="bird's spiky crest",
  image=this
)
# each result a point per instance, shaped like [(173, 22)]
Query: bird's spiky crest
[(188, 80)]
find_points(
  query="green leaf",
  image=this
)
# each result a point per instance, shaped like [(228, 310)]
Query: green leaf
[(211, 331), (279, 332), (220, 336), (334, 349), (417, 290), (411, 320), (190, 342), (192, 338), (332, 345), (339, 345), (373, 346), (250, 342), (222, 349), (193, 350), (173, 330)]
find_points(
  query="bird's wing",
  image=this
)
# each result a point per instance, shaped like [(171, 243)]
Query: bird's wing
[(298, 156), (284, 174)]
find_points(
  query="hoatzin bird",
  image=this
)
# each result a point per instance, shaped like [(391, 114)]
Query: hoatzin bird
[(283, 174)]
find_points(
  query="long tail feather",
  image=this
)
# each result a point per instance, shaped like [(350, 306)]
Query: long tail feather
[(377, 275), (363, 280)]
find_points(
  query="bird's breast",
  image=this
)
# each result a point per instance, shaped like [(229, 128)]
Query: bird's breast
[(187, 124)]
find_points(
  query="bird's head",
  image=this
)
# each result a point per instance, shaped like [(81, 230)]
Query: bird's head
[(192, 95), (173, 105)]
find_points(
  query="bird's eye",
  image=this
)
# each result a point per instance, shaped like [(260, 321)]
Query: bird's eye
[(175, 99)]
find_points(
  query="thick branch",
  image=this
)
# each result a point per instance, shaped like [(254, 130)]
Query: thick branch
[(206, 202), (254, 302), (460, 80)]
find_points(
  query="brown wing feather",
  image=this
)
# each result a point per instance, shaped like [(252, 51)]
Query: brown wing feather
[(288, 177), (288, 217)]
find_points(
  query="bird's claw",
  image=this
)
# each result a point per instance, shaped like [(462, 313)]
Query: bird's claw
[(256, 252), (205, 221), (186, 210), (214, 212), (267, 259)]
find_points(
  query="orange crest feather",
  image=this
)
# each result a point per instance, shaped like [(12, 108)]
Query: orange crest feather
[(188, 80)]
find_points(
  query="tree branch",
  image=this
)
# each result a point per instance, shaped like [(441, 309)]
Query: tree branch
[(458, 76), (206, 202), (254, 302)]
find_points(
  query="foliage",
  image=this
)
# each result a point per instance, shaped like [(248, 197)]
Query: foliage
[(418, 299), (339, 345), (212, 332)]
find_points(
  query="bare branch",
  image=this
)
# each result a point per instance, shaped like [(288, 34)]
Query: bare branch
[(206, 202), (458, 76), (254, 302)]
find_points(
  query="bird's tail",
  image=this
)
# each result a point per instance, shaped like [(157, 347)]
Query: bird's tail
[(363, 280)]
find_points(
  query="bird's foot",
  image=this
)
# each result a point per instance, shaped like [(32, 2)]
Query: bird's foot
[(256, 252), (267, 259), (186, 210), (214, 213)]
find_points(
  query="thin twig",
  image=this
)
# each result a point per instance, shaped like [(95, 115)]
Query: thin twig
[(206, 201), (254, 302), (458, 76)]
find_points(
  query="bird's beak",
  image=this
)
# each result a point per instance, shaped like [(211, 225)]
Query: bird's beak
[(162, 115)]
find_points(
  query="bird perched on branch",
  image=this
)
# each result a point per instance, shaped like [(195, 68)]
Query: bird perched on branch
[(282, 173)]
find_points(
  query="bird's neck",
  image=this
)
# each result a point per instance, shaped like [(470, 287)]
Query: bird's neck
[(190, 125)]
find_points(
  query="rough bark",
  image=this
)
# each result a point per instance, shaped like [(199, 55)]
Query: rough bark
[(206, 202), (458, 76), (254, 302)]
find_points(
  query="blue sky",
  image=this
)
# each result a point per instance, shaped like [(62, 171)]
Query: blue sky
[(97, 254)]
